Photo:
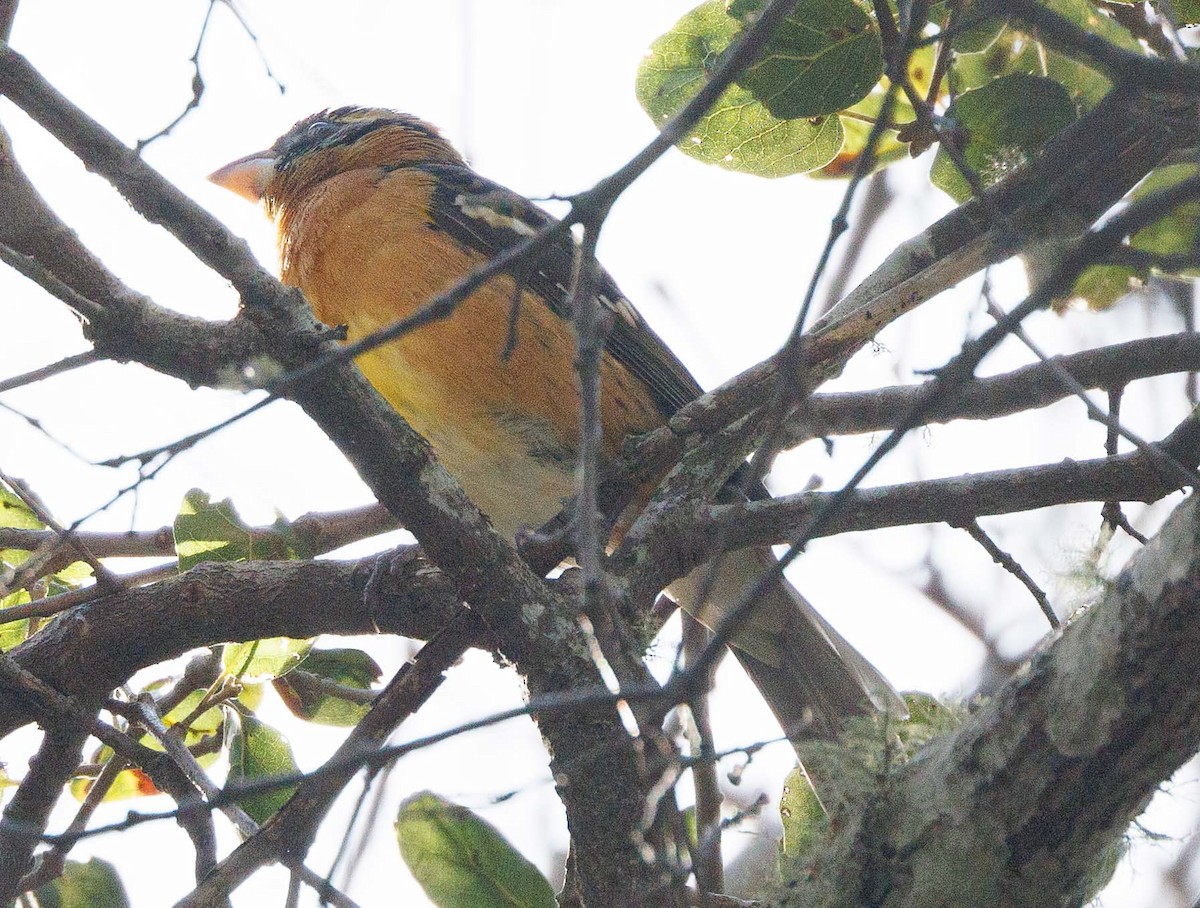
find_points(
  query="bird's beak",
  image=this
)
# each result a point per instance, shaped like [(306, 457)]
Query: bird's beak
[(247, 176)]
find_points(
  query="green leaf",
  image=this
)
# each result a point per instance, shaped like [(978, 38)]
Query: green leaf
[(928, 718), (129, 783), (824, 57), (201, 737), (1101, 286), (1087, 16), (206, 724), (15, 513), (1085, 84), (257, 661), (251, 696), (1186, 12), (690, 826), (91, 885), (258, 751), (304, 695), (462, 861), (858, 130), (14, 632), (1011, 51), (804, 820), (1003, 124), (979, 33), (207, 531), (71, 577), (1176, 232), (978, 69), (738, 133)]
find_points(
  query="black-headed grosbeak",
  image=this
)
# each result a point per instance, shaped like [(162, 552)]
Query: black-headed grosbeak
[(377, 213)]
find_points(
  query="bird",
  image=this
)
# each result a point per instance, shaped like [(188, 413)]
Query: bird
[(377, 213)]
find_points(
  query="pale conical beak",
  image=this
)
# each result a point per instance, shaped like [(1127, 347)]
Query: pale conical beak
[(247, 176)]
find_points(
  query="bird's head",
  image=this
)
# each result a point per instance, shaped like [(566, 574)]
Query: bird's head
[(329, 143)]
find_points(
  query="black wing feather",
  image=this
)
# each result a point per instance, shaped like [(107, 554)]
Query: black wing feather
[(485, 217)]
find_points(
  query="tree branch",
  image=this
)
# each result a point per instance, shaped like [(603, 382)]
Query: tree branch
[(682, 538), (1057, 765), (1026, 388), (321, 532), (216, 603), (27, 813), (1126, 67)]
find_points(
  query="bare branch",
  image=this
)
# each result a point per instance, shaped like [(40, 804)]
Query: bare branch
[(1027, 388), (28, 811), (321, 533), (1010, 564), (216, 603), (198, 78), (64, 365), (8, 12), (1126, 477)]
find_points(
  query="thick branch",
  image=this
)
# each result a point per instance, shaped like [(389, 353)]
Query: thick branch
[(27, 813), (1019, 805), (217, 603), (123, 324), (1026, 388)]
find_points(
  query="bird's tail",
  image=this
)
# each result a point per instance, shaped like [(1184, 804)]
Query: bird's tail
[(809, 675)]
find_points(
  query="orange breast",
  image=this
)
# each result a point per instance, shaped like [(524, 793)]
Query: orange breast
[(362, 249)]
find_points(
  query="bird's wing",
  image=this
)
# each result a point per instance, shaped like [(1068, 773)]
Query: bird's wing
[(487, 218)]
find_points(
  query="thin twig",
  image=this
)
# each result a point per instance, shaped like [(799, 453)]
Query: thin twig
[(1112, 515), (872, 208), (706, 853), (198, 85), (1010, 564), (44, 278), (64, 536), (66, 364)]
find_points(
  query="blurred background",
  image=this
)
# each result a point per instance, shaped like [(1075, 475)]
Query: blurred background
[(539, 95)]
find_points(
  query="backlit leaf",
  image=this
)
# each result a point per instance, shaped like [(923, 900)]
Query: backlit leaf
[(462, 861), (258, 751), (999, 127), (738, 133), (823, 58)]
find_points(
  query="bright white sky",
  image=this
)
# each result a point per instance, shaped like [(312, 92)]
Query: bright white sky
[(539, 93)]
